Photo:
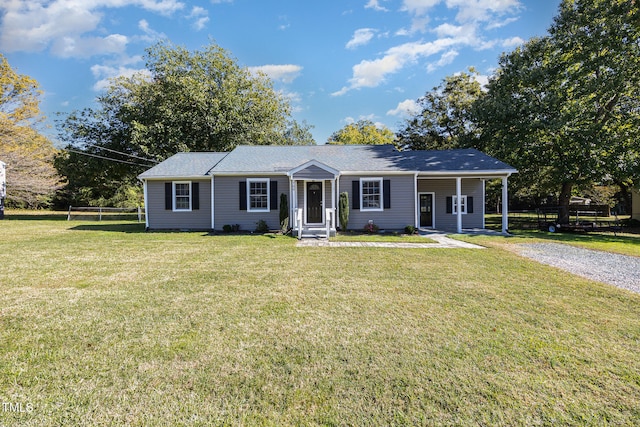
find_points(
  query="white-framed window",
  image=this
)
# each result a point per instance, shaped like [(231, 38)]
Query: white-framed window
[(258, 195), (463, 204), (371, 194), (182, 196)]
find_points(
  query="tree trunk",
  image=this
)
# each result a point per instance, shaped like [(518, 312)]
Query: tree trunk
[(563, 202), (626, 195)]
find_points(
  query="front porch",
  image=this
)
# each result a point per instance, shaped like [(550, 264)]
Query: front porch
[(313, 189)]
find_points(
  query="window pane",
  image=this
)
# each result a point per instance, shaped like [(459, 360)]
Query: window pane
[(258, 195), (182, 196), (371, 194)]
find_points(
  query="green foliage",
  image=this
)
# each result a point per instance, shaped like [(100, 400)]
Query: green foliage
[(30, 176), (362, 132), (565, 109), (189, 101), (231, 228), (284, 212), (410, 229), (343, 210), (262, 227), (371, 228), (446, 120), (299, 134)]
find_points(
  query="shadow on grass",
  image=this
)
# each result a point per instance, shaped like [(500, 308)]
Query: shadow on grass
[(36, 217), (116, 228), (577, 237)]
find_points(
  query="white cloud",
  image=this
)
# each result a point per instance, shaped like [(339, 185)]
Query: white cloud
[(373, 73), (512, 42), (482, 10), (375, 5), (63, 25), (361, 37), (200, 17), (446, 59), (285, 73), (408, 107), (67, 47), (418, 7), (105, 73), (482, 79)]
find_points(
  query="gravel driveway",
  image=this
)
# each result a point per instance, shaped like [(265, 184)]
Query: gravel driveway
[(618, 270)]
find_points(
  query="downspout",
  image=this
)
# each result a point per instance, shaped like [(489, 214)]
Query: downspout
[(505, 205)]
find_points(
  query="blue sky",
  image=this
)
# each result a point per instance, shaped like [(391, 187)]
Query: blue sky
[(337, 61)]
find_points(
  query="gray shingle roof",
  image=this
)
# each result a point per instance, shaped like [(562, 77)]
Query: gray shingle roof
[(255, 159), (184, 165)]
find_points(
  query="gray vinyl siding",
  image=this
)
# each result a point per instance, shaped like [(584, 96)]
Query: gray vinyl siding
[(165, 219), (227, 203), (444, 188), (403, 199)]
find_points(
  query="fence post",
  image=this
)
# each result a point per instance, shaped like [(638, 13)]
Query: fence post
[(69, 214), (139, 214), (100, 213)]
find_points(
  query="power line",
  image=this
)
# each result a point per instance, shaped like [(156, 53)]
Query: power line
[(106, 158), (121, 153)]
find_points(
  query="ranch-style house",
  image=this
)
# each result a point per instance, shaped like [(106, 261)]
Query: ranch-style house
[(443, 190)]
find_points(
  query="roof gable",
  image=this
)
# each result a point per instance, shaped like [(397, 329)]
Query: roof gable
[(313, 170)]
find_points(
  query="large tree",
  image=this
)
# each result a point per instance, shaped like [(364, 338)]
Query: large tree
[(445, 120), (31, 177), (362, 132), (565, 109), (186, 101)]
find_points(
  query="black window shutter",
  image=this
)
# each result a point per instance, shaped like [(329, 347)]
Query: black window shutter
[(449, 204), (273, 196), (195, 197), (386, 192), (469, 204), (168, 196), (355, 194), (243, 195)]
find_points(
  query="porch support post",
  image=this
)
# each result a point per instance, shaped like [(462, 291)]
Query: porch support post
[(333, 202), (484, 201), (459, 204), (293, 203), (416, 207), (505, 206), (337, 202), (146, 205), (213, 211)]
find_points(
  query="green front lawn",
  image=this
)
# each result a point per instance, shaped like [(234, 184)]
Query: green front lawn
[(104, 324), (350, 236)]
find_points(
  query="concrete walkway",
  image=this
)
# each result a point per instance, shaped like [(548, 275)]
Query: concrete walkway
[(442, 241)]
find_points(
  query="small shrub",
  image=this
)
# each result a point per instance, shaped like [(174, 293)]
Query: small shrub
[(343, 210), (410, 229), (227, 228), (371, 228), (261, 226), (284, 212)]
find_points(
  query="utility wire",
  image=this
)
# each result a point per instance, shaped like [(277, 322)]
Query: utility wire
[(121, 153), (106, 158)]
